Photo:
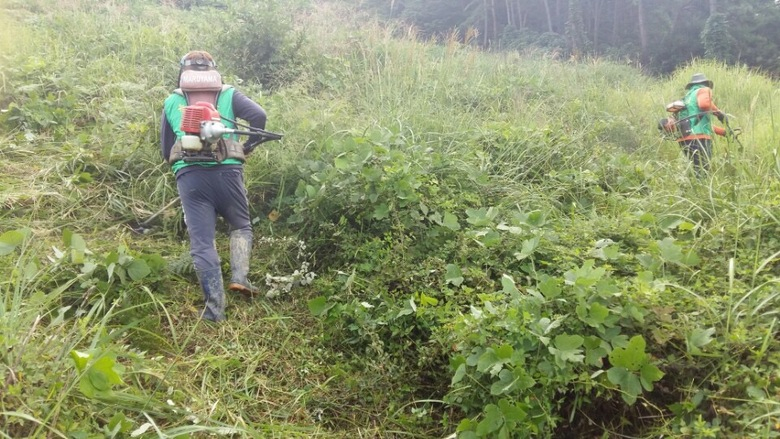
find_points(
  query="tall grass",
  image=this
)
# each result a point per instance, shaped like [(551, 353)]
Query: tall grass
[(575, 140)]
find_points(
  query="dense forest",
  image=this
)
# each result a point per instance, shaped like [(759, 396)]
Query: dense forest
[(658, 35)]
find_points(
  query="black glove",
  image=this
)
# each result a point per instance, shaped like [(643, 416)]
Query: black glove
[(250, 145), (720, 115)]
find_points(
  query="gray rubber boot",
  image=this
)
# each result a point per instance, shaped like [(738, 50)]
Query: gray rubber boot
[(240, 253), (213, 293)]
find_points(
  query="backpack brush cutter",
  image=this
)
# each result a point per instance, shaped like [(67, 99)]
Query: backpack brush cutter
[(202, 124)]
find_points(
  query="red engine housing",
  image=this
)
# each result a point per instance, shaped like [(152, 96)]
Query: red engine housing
[(193, 115)]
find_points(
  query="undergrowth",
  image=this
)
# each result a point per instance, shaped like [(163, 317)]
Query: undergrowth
[(452, 243)]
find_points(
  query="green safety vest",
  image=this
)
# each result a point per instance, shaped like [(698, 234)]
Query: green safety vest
[(700, 121), (174, 106)]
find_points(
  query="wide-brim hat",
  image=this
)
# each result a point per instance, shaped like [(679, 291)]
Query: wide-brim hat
[(698, 78)]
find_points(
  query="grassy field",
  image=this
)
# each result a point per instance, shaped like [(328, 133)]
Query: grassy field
[(501, 244)]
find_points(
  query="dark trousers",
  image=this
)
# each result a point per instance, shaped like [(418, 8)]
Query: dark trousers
[(699, 152), (205, 193)]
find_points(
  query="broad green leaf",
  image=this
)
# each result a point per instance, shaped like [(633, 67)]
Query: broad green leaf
[(536, 218), (511, 412), (649, 262), (460, 372), (119, 423), (77, 242), (528, 249), (454, 275), (670, 251), (491, 422), (595, 356), (756, 393), (67, 234), (690, 258), (631, 357), (381, 211), (473, 359), (647, 218), (451, 222), (612, 252), (549, 287), (670, 222), (83, 177), (567, 348), (481, 217), (698, 338), (319, 305), (523, 380), (686, 226), (606, 249), (12, 239), (505, 352), (138, 269), (509, 286), (489, 361), (341, 163), (490, 238), (597, 314), (514, 230), (154, 261), (30, 270), (465, 428), (109, 368), (426, 300), (627, 381), (586, 275), (649, 374), (98, 380), (80, 359), (111, 258), (88, 267), (506, 379), (566, 342), (86, 387), (409, 308)]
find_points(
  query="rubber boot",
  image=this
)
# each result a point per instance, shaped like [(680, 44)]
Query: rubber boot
[(213, 293), (240, 253)]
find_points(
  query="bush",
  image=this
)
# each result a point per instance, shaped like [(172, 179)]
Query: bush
[(260, 44)]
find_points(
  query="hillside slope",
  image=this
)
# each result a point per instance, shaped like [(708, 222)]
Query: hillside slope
[(500, 245)]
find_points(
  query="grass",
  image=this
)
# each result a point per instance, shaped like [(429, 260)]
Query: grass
[(575, 140)]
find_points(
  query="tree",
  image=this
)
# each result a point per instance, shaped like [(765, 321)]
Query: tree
[(575, 30), (718, 43), (665, 33)]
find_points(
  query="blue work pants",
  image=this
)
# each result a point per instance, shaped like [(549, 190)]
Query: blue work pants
[(205, 193)]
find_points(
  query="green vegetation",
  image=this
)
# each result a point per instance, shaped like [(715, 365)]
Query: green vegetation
[(659, 35), (454, 242)]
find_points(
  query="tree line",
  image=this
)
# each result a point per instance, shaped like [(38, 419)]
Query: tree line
[(658, 35)]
